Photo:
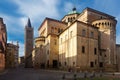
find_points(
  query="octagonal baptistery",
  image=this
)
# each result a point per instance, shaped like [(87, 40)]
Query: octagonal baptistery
[(38, 54), (39, 41)]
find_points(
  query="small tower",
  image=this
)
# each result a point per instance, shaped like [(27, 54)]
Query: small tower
[(28, 44), (71, 16)]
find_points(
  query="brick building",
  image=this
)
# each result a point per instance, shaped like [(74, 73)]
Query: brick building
[(12, 55), (118, 56), (3, 41), (28, 44)]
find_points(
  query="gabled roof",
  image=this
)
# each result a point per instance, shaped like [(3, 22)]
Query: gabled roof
[(50, 20), (99, 12), (78, 22)]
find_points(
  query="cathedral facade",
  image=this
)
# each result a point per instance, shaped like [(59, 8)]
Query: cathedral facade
[(82, 41)]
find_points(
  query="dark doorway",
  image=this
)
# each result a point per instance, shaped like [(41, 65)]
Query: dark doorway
[(42, 65), (101, 64), (91, 64), (55, 63), (48, 63)]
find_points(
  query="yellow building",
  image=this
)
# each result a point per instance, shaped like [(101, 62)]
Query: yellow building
[(21, 60), (12, 55), (84, 41)]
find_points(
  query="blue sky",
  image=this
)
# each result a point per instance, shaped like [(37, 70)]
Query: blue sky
[(16, 12)]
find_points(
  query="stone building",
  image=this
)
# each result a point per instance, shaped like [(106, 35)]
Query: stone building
[(12, 55), (21, 61), (38, 56), (28, 44), (118, 56), (84, 41), (3, 41)]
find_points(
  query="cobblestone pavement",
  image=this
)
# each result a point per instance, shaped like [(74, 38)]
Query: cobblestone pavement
[(38, 74), (31, 74)]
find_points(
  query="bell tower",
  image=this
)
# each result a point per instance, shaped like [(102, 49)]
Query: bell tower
[(28, 44)]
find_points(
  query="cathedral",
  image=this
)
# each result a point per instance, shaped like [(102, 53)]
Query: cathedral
[(80, 40)]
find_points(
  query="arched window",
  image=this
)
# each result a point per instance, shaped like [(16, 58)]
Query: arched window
[(108, 23), (102, 23), (105, 23), (61, 30), (65, 37), (95, 51), (83, 49), (47, 52), (1, 47), (58, 30), (71, 19), (92, 34), (65, 63), (40, 46), (99, 24), (55, 28), (61, 40), (55, 41), (68, 19), (71, 33), (74, 18), (52, 29), (96, 24), (83, 32)]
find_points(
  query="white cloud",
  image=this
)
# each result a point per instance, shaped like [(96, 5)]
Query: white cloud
[(118, 17), (37, 9), (68, 6), (23, 21), (118, 30), (21, 49), (118, 39), (14, 27), (13, 24), (110, 6)]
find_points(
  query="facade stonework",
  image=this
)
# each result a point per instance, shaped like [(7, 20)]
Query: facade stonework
[(3, 41), (118, 56), (83, 41), (38, 56), (28, 44), (12, 55), (21, 60)]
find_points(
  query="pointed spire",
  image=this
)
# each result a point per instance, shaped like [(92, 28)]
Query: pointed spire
[(28, 23)]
